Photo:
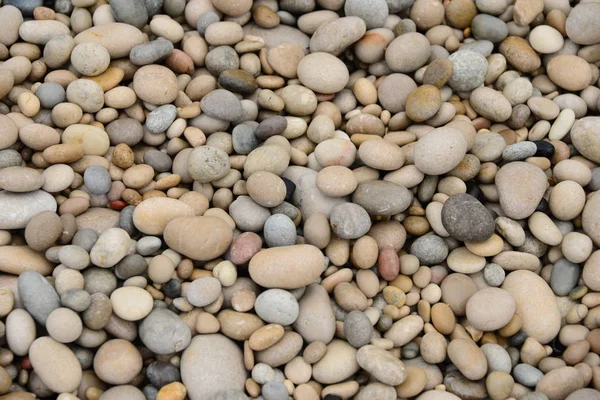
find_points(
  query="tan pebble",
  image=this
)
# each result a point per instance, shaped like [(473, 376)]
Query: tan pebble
[(415, 382), (468, 358), (499, 385), (336, 181), (266, 337), (443, 318), (172, 391)]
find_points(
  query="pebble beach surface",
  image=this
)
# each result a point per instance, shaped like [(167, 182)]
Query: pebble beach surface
[(299, 199)]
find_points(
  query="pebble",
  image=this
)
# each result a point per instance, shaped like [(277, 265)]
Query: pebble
[(518, 200), (413, 44), (277, 306), (580, 26), (439, 151), (303, 264), (382, 365), (535, 304), (490, 309), (358, 329), (222, 362), (55, 364), (466, 219), (349, 221), (163, 332), (469, 70), (323, 73)]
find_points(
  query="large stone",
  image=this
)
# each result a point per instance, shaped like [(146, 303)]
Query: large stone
[(18, 208), (466, 219), (211, 364), (521, 186), (536, 304)]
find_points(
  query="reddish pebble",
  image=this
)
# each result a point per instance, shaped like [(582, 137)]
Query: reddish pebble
[(25, 363), (388, 264), (244, 247), (117, 205)]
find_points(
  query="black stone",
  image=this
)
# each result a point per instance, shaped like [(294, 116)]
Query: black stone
[(557, 347), (290, 187), (518, 339), (544, 207), (544, 149), (172, 288), (161, 373), (475, 191)]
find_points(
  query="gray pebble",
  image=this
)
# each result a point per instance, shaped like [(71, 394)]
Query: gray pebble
[(150, 392), (10, 158), (244, 139), (25, 6), (76, 299), (483, 47), (84, 356), (174, 8), (263, 373), (99, 280), (277, 306), (487, 27), (131, 265), (410, 350), (132, 12), (208, 163), (126, 220), (288, 209), (221, 59), (85, 238), (286, 18), (358, 329), (153, 6), (429, 249), (395, 6), (38, 295), (564, 226), (279, 230), (97, 179), (595, 182), (161, 118), (222, 104), (158, 160), (274, 390), (229, 395), (125, 130), (50, 94), (373, 12), (494, 274), (349, 221), (163, 332), (527, 375), (535, 396), (519, 151), (161, 373), (564, 277), (466, 219), (151, 52), (148, 245), (382, 198), (206, 19), (248, 215), (63, 6), (533, 245), (74, 257), (469, 71), (271, 126)]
